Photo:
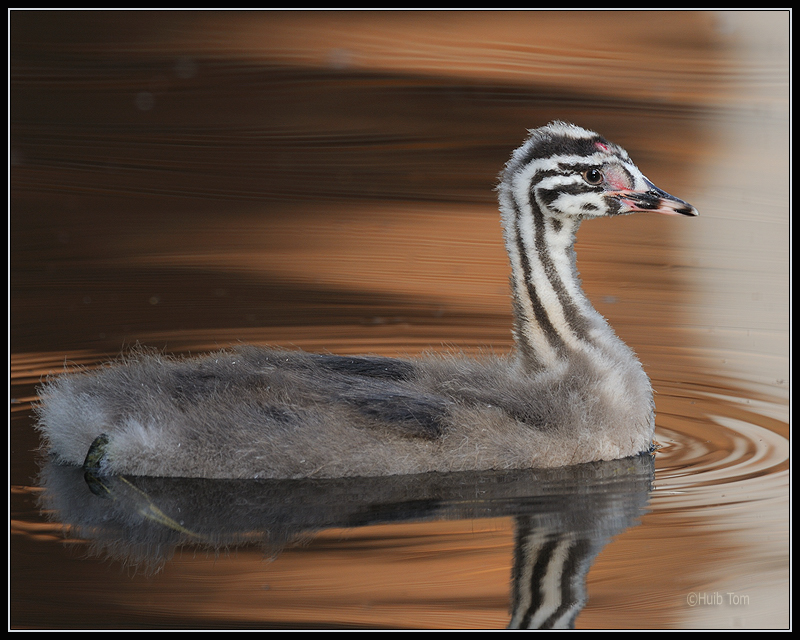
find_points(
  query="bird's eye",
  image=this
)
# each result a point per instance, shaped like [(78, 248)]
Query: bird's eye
[(593, 176)]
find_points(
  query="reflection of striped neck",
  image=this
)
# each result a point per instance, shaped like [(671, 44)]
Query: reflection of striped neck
[(549, 579)]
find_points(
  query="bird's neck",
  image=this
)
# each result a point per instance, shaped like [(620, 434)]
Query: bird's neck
[(554, 320)]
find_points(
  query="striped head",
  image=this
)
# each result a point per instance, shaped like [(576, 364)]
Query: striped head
[(565, 171)]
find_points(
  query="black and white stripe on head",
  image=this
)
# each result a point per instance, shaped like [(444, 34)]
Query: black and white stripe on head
[(563, 139), (554, 167)]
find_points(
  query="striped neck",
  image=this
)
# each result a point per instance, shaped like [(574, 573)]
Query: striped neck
[(553, 317)]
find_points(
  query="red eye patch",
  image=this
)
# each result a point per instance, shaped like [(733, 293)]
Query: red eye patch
[(617, 178)]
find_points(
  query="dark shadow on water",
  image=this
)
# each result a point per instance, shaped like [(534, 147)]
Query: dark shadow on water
[(564, 517)]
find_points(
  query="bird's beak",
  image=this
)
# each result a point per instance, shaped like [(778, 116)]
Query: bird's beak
[(653, 199)]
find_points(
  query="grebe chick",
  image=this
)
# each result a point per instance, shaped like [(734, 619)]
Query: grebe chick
[(570, 392)]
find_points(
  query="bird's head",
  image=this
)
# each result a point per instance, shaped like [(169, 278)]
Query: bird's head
[(566, 171)]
